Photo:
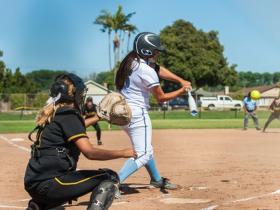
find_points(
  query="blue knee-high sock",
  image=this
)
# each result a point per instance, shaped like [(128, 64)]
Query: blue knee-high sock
[(152, 169), (128, 168)]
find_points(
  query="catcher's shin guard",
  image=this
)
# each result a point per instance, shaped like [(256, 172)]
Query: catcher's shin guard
[(102, 197)]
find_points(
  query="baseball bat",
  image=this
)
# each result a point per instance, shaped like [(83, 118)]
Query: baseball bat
[(192, 104)]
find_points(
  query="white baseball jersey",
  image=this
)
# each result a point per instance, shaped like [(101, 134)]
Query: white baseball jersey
[(137, 86)]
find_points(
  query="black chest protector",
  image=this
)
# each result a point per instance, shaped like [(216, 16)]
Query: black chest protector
[(52, 139)]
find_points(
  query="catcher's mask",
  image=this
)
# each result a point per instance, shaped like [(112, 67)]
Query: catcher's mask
[(61, 88), (146, 43)]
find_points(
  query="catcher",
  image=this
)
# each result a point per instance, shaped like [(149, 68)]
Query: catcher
[(51, 177), (90, 110), (275, 112)]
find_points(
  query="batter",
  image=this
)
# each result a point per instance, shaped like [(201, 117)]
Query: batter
[(137, 77)]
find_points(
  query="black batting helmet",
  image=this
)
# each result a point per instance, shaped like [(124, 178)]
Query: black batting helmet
[(146, 43)]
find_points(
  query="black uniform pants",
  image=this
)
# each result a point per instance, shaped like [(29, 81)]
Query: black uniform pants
[(59, 190), (98, 131)]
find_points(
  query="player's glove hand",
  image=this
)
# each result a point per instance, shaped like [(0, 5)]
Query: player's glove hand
[(114, 109)]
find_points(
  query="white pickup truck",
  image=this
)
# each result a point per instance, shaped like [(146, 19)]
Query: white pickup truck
[(220, 102)]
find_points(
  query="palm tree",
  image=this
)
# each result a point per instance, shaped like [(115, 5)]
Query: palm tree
[(131, 29), (106, 21), (119, 22)]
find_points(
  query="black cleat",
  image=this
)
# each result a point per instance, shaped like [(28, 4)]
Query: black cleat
[(33, 206)]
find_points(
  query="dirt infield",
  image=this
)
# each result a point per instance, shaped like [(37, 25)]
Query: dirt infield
[(216, 169)]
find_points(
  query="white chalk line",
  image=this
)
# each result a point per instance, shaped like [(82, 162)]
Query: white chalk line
[(17, 139), (243, 199), (18, 201), (210, 207), (6, 206), (119, 203), (2, 206), (22, 200), (15, 145), (12, 207)]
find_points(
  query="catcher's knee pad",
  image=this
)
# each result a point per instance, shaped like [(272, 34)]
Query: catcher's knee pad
[(111, 175), (102, 197), (32, 205)]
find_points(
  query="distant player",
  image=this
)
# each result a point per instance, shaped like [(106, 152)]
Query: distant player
[(250, 108), (275, 109), (137, 77), (90, 110)]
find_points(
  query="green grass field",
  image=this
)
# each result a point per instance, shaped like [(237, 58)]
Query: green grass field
[(27, 125), (11, 123), (184, 114), (176, 114)]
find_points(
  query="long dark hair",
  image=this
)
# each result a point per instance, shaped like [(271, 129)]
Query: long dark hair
[(125, 69)]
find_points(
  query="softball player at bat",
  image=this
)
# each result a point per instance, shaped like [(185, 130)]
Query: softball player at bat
[(136, 78), (51, 177)]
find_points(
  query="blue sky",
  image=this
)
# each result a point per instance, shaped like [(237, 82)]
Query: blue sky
[(59, 34)]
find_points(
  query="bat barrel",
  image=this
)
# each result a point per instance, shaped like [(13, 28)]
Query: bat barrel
[(194, 113)]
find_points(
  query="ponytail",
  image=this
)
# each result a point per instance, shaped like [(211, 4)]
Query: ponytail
[(125, 69), (46, 114)]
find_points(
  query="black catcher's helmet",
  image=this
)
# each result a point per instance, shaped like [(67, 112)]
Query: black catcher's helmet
[(145, 43), (59, 87)]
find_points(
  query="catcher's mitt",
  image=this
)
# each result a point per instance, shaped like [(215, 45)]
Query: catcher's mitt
[(114, 109)]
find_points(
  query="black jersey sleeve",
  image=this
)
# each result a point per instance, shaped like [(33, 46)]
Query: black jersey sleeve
[(73, 127)]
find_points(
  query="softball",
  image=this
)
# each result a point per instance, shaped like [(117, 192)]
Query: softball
[(255, 95)]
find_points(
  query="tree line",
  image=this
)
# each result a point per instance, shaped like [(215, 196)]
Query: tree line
[(40, 80), (251, 79), (32, 82), (13, 82)]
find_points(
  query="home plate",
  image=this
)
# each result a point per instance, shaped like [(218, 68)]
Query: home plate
[(184, 200), (198, 188), (119, 203), (17, 139), (141, 186)]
